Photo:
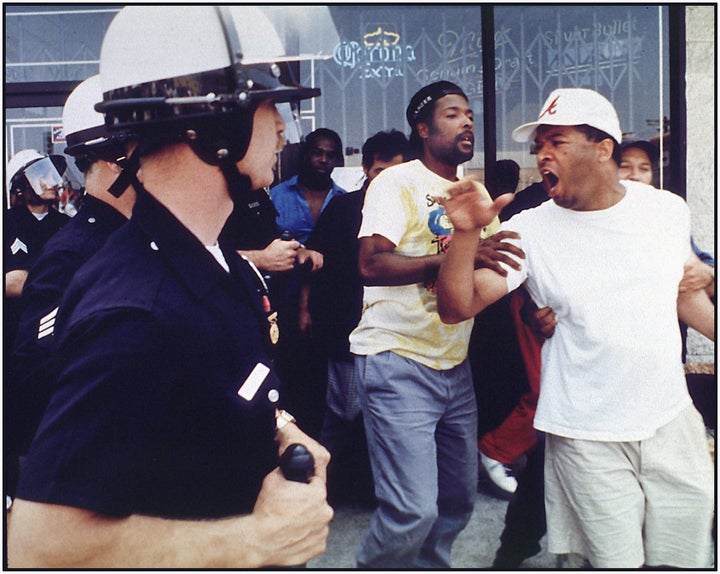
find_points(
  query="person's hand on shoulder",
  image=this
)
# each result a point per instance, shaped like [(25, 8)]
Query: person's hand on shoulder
[(697, 275), (493, 250)]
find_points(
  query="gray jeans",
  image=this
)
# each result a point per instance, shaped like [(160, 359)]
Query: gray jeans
[(421, 427)]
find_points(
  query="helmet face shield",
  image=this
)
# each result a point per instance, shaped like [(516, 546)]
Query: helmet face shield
[(305, 32), (44, 177), (293, 132), (296, 34)]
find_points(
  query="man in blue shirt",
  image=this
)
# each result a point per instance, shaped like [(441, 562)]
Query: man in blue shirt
[(300, 199), (299, 202)]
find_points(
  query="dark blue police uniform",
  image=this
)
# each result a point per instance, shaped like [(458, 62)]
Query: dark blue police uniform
[(166, 391), (28, 387), (251, 226), (25, 235), (23, 238)]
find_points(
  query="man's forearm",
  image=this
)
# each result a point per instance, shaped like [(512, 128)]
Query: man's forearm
[(256, 257), (464, 291), (710, 287), (455, 286), (392, 269), (696, 310), (284, 529), (77, 538)]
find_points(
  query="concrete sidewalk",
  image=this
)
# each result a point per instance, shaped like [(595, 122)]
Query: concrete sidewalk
[(474, 549)]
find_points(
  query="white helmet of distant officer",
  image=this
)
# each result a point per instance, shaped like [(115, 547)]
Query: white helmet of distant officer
[(86, 135), (98, 153), (196, 74), (35, 176)]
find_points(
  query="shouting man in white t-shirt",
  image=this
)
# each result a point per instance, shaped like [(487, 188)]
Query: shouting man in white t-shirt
[(628, 476)]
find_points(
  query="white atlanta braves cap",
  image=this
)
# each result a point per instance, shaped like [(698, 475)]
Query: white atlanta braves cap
[(574, 107)]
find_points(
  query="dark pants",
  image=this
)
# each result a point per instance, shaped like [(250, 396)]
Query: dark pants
[(525, 517), (302, 368), (350, 480)]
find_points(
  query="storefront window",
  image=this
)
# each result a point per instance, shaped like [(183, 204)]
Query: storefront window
[(54, 43), (49, 44), (387, 52), (620, 51)]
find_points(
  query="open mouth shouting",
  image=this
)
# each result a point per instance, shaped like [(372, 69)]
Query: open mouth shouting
[(550, 180)]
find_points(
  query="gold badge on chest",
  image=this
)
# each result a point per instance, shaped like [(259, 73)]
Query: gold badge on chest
[(274, 329)]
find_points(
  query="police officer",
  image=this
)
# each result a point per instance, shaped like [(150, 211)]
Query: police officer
[(33, 182), (35, 179), (159, 447), (97, 154)]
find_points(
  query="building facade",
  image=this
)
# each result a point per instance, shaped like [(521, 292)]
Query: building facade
[(388, 51)]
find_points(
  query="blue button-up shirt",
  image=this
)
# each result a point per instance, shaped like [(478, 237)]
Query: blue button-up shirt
[(293, 208)]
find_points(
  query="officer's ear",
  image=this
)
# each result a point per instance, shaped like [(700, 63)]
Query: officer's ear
[(114, 167)]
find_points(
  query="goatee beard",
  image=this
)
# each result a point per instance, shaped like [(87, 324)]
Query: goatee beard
[(315, 180), (457, 157)]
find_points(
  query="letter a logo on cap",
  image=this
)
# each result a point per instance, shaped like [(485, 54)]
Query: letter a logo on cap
[(551, 109)]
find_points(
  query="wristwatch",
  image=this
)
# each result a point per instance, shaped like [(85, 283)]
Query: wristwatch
[(282, 418)]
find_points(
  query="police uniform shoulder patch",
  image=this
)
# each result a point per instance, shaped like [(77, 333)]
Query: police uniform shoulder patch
[(18, 245), (47, 324)]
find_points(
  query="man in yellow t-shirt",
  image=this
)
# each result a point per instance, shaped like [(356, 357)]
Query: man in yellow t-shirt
[(416, 389)]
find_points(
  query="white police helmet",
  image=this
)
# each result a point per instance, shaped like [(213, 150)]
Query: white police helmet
[(52, 166), (17, 164), (196, 73), (86, 136)]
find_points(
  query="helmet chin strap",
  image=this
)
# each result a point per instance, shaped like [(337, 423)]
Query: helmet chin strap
[(224, 142), (128, 175)]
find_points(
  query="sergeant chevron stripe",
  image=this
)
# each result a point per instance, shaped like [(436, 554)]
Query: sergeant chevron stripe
[(18, 245), (47, 324)]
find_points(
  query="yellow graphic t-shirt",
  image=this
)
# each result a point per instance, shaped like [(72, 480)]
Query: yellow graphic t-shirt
[(399, 205)]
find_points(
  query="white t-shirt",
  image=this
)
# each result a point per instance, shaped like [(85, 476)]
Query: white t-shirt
[(217, 253), (399, 205), (612, 371)]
